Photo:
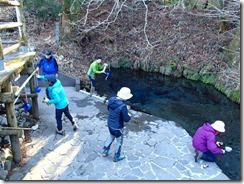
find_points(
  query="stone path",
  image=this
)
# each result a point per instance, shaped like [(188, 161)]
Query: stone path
[(155, 149)]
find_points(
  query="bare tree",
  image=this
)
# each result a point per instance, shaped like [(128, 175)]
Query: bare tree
[(98, 16)]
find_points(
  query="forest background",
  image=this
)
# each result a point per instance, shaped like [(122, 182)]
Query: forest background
[(195, 39)]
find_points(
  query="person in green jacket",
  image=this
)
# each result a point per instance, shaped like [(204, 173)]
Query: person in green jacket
[(94, 69)]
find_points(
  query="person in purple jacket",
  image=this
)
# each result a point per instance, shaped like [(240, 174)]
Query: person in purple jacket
[(118, 114), (204, 141)]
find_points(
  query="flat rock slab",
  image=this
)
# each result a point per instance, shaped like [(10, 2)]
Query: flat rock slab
[(155, 149)]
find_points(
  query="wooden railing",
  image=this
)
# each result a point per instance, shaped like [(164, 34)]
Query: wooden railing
[(20, 64), (9, 3), (20, 24)]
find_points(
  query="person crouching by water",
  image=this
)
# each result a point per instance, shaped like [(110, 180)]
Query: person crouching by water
[(118, 114), (204, 141), (57, 96)]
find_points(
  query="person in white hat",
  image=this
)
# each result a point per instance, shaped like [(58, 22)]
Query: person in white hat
[(118, 114), (204, 141)]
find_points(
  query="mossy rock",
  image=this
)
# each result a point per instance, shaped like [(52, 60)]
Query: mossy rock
[(142, 66), (206, 70), (236, 96), (114, 64), (168, 70), (229, 55), (156, 69), (178, 73), (217, 3), (161, 69), (219, 86), (172, 65), (190, 74), (208, 79), (149, 66), (196, 4), (125, 63), (228, 92), (194, 76)]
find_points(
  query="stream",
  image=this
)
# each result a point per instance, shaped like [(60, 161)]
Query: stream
[(188, 103)]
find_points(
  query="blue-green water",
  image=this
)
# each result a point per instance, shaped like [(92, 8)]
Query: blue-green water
[(188, 103)]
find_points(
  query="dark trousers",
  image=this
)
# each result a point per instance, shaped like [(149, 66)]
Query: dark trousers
[(208, 156), (59, 113), (93, 81)]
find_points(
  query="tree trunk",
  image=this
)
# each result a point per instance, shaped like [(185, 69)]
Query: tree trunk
[(71, 12)]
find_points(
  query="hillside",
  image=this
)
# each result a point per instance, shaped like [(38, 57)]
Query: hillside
[(172, 42)]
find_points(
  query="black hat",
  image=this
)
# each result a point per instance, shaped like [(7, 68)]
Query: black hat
[(47, 52), (98, 57), (51, 78)]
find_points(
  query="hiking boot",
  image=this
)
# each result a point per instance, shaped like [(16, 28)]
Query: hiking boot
[(105, 153), (198, 155), (75, 126), (61, 132), (116, 159)]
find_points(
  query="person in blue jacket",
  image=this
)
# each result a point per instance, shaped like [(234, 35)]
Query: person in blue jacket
[(57, 96), (118, 114), (48, 64)]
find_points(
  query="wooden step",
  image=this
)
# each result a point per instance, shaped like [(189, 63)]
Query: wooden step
[(7, 25), (9, 3)]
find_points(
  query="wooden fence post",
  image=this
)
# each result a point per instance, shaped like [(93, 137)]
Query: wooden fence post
[(1, 56), (12, 121), (1, 49), (34, 99)]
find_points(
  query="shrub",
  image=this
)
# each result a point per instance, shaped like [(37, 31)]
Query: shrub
[(44, 9)]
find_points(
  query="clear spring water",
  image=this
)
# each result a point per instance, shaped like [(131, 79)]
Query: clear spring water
[(188, 103)]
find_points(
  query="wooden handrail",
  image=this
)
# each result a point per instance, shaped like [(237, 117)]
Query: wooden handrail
[(26, 81), (7, 25), (10, 111), (11, 48), (9, 3)]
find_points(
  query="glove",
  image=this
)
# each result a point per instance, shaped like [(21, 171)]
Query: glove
[(223, 151), (105, 64), (40, 76), (219, 144), (129, 114), (45, 100), (103, 71)]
